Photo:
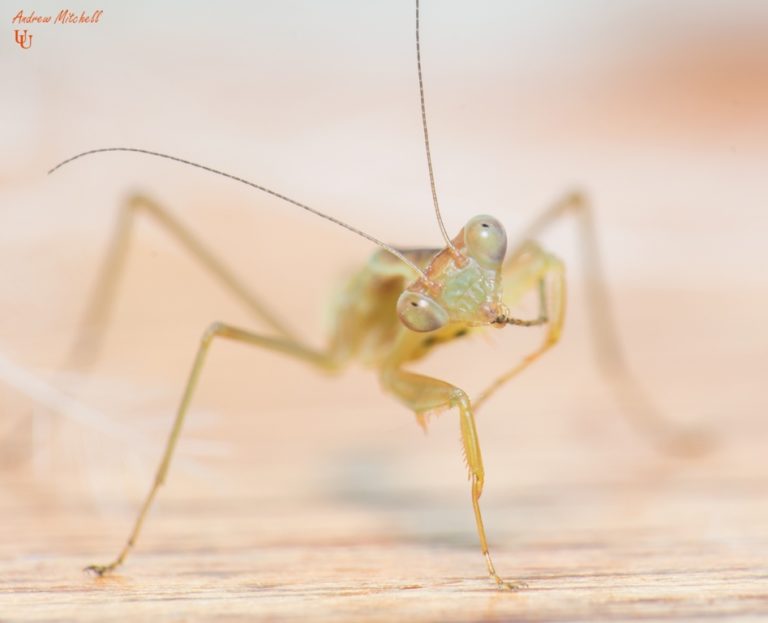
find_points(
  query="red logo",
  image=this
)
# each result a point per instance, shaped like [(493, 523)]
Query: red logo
[(23, 39)]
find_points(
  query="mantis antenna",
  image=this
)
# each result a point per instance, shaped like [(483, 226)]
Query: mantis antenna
[(454, 250), (303, 206)]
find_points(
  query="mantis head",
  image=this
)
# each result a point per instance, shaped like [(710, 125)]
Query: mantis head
[(464, 281)]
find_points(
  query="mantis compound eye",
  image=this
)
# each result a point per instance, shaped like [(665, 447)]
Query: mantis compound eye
[(486, 240), (420, 313)]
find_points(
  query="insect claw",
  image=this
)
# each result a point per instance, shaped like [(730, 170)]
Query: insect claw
[(514, 585), (98, 570)]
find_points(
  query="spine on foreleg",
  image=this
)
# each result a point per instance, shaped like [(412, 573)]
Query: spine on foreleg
[(470, 443)]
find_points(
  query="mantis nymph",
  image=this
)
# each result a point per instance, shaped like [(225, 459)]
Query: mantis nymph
[(402, 305)]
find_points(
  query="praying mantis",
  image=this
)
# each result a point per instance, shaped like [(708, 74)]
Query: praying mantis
[(401, 306)]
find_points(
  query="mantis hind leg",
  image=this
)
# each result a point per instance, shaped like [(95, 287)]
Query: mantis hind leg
[(638, 407), (424, 394), (280, 344), (99, 308)]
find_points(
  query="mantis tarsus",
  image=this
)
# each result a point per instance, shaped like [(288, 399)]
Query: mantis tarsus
[(402, 305)]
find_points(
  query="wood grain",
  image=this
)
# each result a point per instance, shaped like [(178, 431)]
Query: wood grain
[(295, 497), (340, 513), (203, 563)]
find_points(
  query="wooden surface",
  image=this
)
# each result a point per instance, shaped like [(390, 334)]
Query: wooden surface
[(344, 511), (297, 497), (661, 548)]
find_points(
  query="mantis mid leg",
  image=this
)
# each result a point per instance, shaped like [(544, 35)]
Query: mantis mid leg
[(424, 394), (99, 307), (638, 407), (216, 330)]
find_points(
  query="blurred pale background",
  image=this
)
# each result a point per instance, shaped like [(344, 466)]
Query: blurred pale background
[(658, 110)]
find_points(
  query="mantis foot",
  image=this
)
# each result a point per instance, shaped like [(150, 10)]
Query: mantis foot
[(513, 585), (100, 570)]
